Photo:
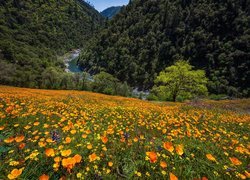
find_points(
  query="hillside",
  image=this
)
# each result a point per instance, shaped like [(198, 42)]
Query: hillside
[(147, 36), (73, 134), (111, 11), (34, 32)]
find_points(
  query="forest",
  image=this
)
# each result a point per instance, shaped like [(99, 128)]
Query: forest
[(34, 32), (147, 36)]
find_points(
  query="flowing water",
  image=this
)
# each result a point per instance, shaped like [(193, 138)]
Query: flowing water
[(70, 61)]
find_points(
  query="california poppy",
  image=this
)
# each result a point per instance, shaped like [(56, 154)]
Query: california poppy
[(235, 161), (66, 153), (92, 157), (168, 146), (15, 173), (104, 139), (179, 149), (163, 164), (210, 157), (50, 152), (44, 177), (172, 176)]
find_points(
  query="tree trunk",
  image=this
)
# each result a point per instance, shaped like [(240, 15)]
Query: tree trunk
[(174, 97)]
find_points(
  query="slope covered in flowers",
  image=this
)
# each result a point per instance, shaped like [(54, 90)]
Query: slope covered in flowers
[(70, 134)]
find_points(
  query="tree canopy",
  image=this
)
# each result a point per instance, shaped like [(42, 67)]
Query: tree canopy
[(181, 80)]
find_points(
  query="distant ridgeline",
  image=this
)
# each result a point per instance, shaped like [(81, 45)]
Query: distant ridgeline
[(34, 32), (111, 11), (149, 35)]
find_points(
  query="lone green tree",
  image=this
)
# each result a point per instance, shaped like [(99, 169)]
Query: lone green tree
[(181, 80)]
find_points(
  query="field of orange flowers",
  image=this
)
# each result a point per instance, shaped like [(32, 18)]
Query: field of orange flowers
[(47, 134)]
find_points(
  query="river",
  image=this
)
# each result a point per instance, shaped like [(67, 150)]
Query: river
[(70, 61)]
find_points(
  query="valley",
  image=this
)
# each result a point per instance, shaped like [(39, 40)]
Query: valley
[(139, 89)]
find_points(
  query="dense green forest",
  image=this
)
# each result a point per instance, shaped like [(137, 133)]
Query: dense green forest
[(34, 32), (149, 35)]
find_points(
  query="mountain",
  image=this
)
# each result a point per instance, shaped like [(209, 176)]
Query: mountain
[(34, 32), (111, 11), (147, 36)]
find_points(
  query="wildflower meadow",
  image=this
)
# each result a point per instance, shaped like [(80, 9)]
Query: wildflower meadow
[(49, 134)]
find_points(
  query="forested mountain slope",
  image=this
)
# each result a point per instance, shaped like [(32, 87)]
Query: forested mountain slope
[(111, 11), (149, 35), (33, 32)]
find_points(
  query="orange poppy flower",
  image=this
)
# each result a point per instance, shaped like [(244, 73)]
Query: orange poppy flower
[(235, 161), (9, 140), (179, 149), (36, 123), (204, 178), (210, 157), (19, 138), (168, 146), (50, 152), (44, 177), (172, 176), (104, 139), (92, 157), (15, 173), (78, 158), (110, 164), (42, 144), (66, 153), (1, 128), (68, 163), (247, 174), (152, 156), (163, 164), (89, 146), (84, 136), (22, 145), (67, 140), (57, 159)]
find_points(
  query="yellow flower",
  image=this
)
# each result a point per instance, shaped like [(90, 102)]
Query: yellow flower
[(79, 175), (164, 172), (13, 163)]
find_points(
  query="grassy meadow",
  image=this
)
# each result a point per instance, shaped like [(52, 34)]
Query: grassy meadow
[(49, 134)]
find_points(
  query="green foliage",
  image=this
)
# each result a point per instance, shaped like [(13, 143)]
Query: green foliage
[(180, 82), (33, 33), (148, 36), (218, 97), (107, 84)]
